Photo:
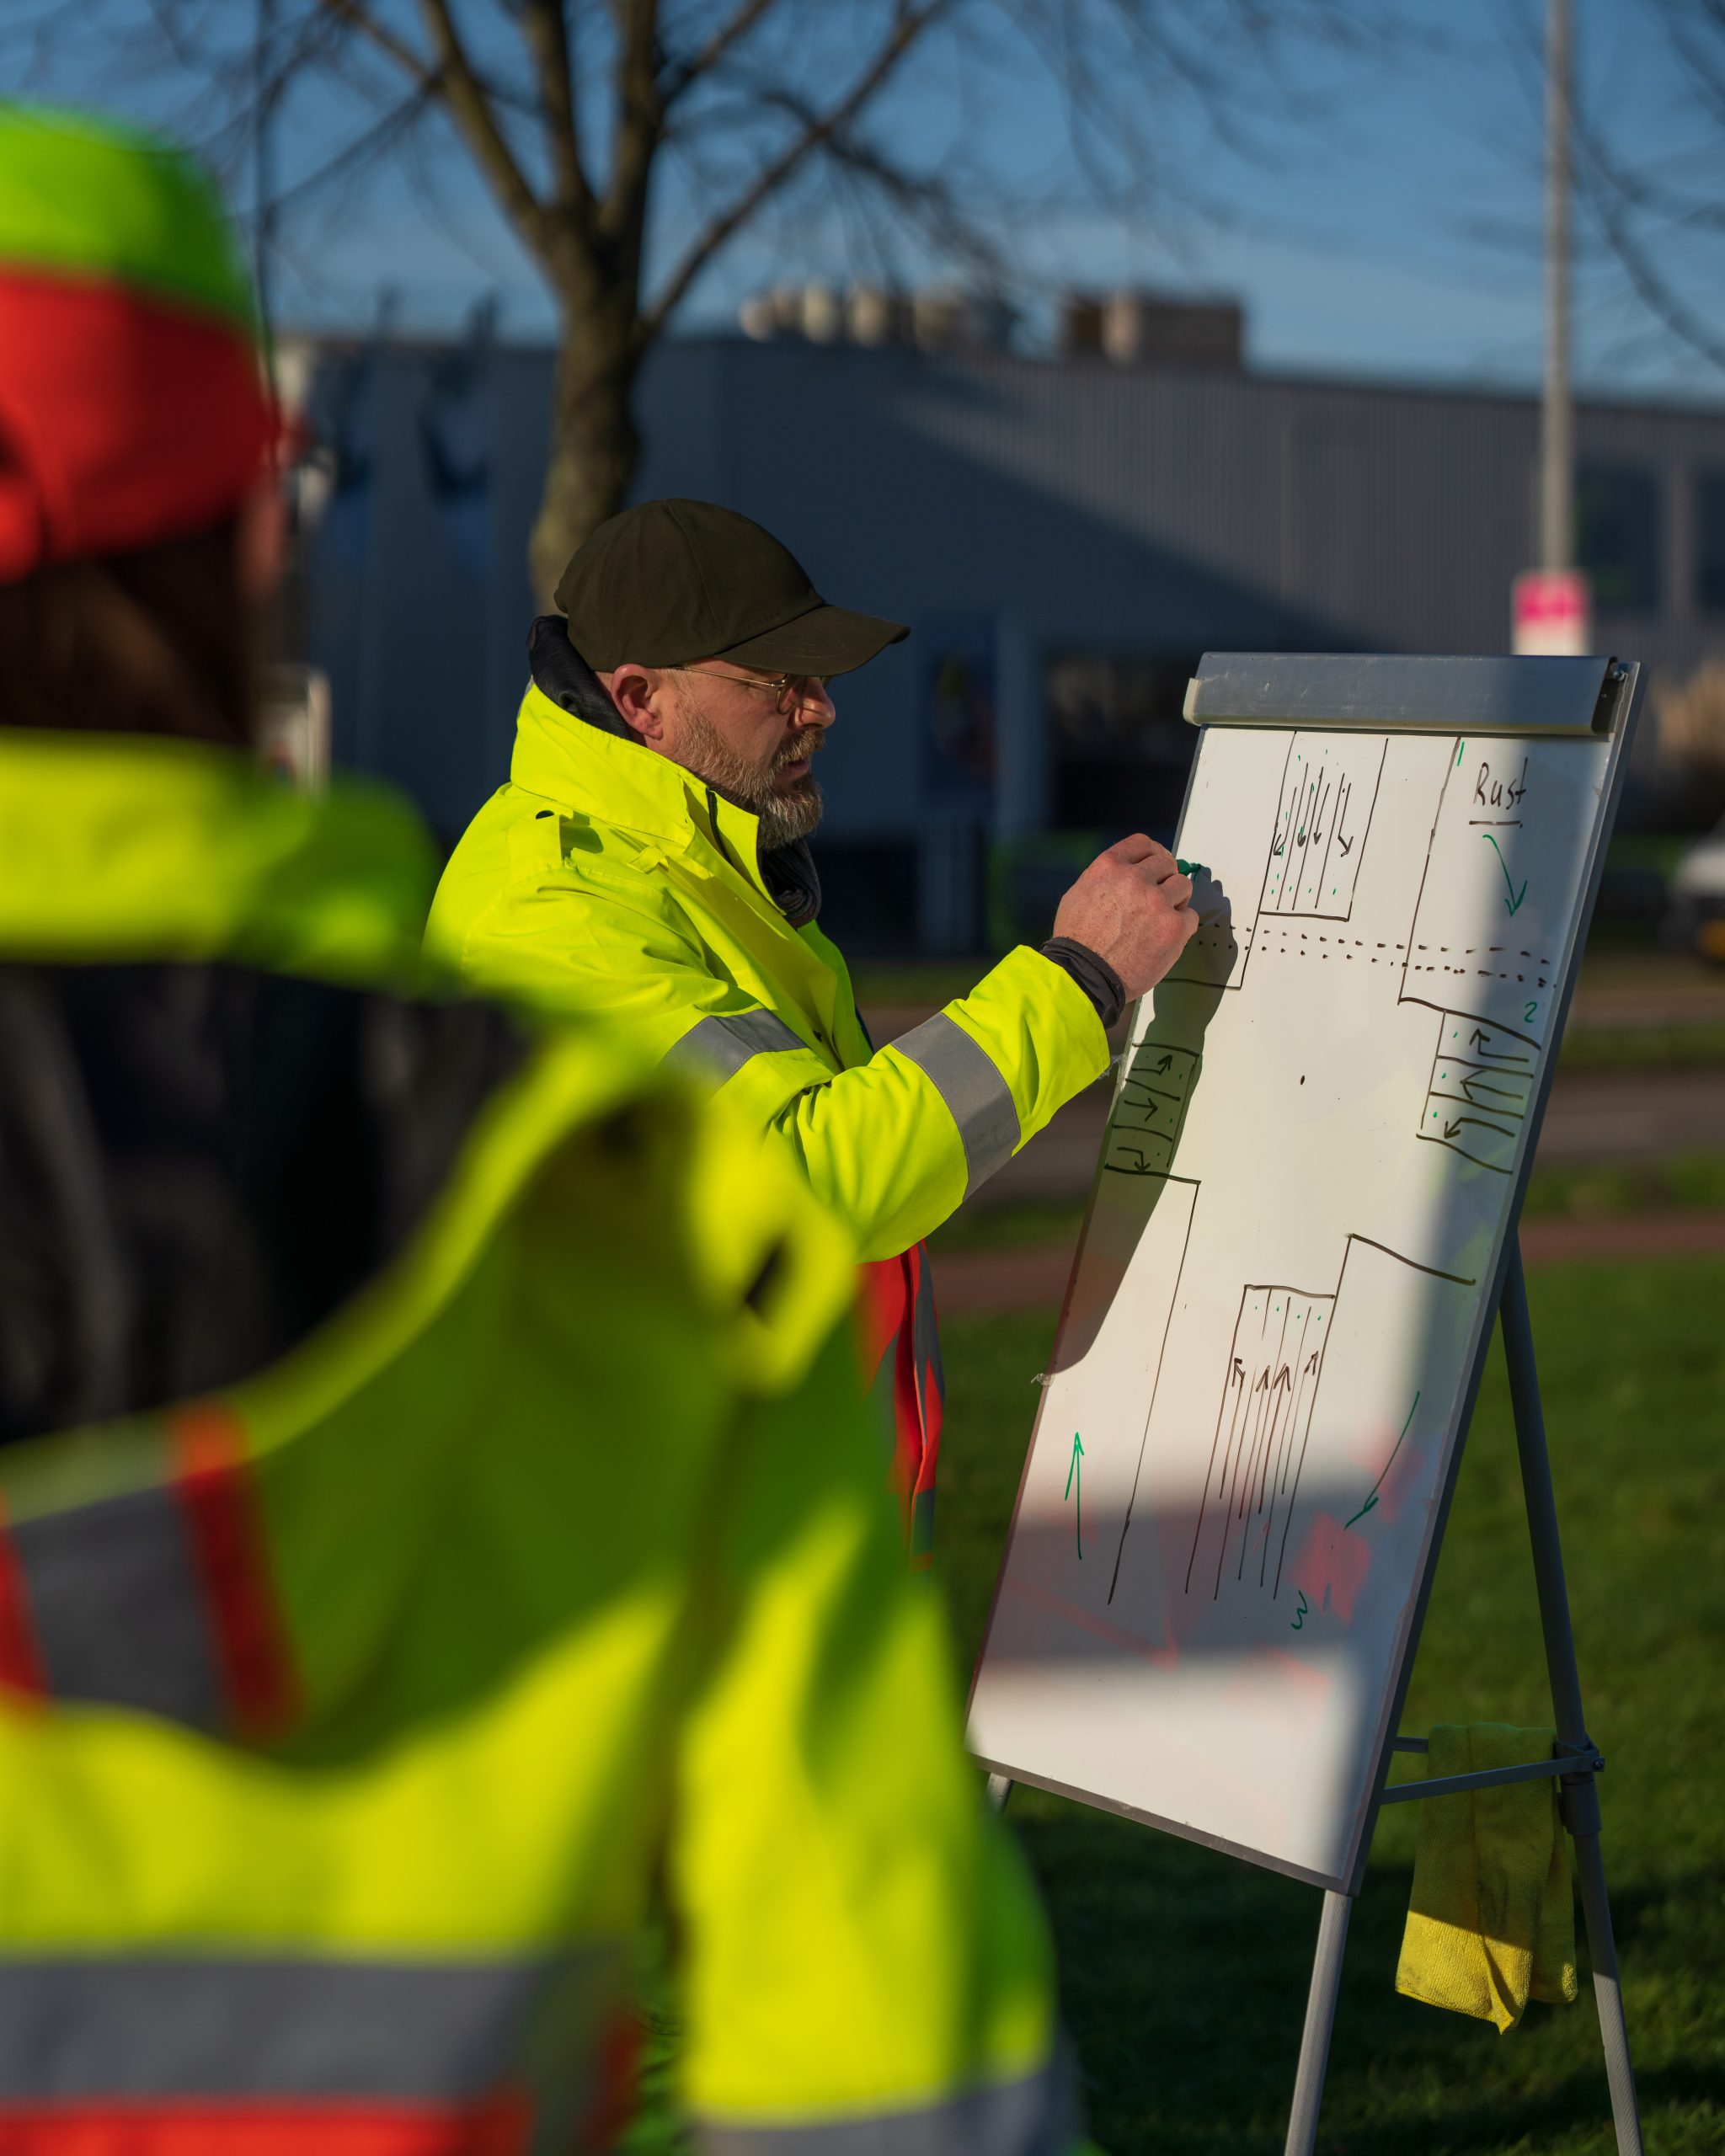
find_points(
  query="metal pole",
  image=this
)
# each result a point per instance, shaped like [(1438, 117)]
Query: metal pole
[(1556, 416), (1319, 2021), (264, 179), (1000, 1788), (1579, 1796)]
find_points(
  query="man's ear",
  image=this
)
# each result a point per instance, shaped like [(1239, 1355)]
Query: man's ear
[(639, 695)]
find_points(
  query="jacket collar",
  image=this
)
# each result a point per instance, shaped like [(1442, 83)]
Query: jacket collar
[(572, 746), (129, 845)]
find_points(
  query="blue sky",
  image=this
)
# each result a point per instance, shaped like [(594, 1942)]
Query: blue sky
[(1383, 223)]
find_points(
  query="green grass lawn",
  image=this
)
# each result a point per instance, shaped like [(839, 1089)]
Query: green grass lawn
[(1184, 1973)]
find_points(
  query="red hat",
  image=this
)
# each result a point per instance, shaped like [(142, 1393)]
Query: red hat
[(133, 407)]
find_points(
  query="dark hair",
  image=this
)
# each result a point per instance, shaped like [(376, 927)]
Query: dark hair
[(160, 640)]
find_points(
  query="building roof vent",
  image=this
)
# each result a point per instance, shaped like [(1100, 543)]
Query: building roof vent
[(941, 319), (1140, 328)]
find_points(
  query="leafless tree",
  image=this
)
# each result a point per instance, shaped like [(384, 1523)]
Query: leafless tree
[(1648, 167), (1659, 204), (578, 113)]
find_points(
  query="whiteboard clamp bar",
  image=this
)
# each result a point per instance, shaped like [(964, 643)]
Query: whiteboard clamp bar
[(1578, 698)]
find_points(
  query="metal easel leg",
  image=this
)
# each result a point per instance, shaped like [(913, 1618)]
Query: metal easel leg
[(1000, 1788), (1579, 1796), (1320, 2020)]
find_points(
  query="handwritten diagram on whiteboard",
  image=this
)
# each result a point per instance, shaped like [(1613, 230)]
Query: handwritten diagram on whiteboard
[(1227, 1508)]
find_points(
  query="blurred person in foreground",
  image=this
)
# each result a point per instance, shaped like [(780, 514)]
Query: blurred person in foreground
[(434, 1500), (649, 860)]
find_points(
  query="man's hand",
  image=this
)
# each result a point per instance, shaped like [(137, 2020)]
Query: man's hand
[(1132, 907)]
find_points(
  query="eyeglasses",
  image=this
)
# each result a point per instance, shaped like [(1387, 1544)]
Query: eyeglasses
[(789, 692)]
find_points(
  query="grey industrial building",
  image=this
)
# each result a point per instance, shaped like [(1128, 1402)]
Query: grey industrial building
[(1064, 537)]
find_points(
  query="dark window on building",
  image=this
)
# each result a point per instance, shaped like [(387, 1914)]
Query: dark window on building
[(1119, 748), (1617, 535), (1710, 542), (868, 894)]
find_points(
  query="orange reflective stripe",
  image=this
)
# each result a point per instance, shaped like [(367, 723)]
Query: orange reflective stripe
[(228, 1550), (499, 2127), (931, 1394), (901, 1357), (20, 1656)]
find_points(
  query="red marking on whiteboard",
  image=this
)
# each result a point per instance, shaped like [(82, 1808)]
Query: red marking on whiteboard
[(1279, 1688), (1331, 1562), (1404, 1472), (1087, 1620)]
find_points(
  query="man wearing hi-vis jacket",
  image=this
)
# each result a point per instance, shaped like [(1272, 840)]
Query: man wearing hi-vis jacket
[(649, 859)]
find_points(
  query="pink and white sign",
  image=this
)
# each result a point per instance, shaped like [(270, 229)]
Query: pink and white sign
[(1551, 614)]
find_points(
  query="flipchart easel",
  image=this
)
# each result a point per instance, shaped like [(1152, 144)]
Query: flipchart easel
[(1509, 696)]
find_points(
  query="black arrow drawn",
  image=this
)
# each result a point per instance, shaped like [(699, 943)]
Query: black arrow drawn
[(1477, 1040), (1479, 1123), (1342, 801)]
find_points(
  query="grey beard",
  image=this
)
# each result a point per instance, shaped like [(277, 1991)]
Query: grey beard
[(785, 817)]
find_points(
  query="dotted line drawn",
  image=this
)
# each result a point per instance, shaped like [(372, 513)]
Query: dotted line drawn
[(1442, 965)]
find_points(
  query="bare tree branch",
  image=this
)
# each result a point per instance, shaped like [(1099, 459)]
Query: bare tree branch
[(701, 62), (361, 19), (640, 120), (545, 28), (909, 21), (1609, 199), (471, 109)]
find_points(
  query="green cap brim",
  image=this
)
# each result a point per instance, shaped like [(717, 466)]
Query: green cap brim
[(825, 640)]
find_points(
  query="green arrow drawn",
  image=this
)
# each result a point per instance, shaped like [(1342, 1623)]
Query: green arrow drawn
[(1515, 896), (1372, 1499), (1075, 1479)]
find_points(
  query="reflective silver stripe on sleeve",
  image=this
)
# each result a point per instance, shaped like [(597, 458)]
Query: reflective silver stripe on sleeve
[(716, 1048), (980, 1099), (116, 1607), (1023, 2118), (78, 2030)]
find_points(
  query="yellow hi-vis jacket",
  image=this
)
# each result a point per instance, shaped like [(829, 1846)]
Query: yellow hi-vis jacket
[(347, 1714), (605, 877)]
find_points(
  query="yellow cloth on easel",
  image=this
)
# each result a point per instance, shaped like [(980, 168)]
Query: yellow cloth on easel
[(1491, 1920)]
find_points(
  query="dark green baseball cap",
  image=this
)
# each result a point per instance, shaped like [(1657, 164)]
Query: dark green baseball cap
[(668, 582)]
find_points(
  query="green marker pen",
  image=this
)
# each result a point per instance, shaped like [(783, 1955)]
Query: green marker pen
[(1190, 868)]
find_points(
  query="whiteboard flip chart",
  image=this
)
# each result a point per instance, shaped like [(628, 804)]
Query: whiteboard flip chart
[(1230, 1505)]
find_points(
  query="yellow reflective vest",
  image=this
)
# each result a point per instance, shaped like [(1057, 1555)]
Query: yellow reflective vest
[(347, 1713), (605, 877)]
